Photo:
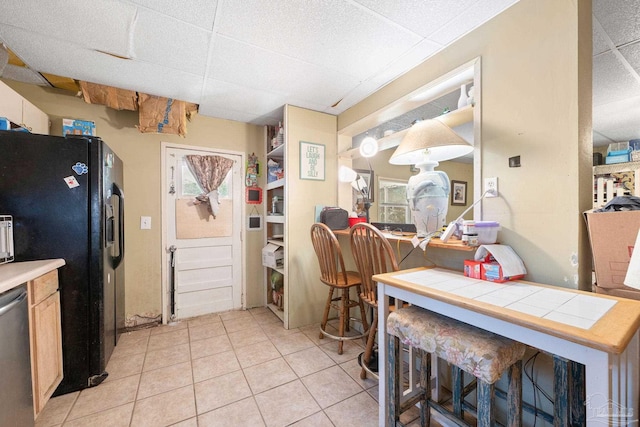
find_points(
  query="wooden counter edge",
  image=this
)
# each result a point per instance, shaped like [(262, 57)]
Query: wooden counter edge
[(607, 334)]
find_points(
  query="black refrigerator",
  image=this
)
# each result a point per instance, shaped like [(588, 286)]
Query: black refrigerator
[(66, 198)]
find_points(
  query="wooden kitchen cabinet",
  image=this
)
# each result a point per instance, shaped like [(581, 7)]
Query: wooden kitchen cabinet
[(45, 333), (21, 112)]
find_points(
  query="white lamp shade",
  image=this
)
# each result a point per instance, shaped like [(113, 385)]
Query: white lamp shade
[(346, 174), (430, 138)]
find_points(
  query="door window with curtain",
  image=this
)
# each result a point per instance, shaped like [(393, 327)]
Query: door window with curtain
[(393, 206)]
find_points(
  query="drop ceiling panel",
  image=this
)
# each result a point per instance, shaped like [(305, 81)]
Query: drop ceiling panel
[(100, 24), (610, 125), (600, 45), (239, 116), (200, 13), (620, 19), (632, 54), (217, 94), (334, 34), (611, 81), (165, 41), (45, 55), (420, 16), (24, 74), (409, 60), (250, 66), (476, 15)]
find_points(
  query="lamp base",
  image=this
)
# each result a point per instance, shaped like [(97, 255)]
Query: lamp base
[(428, 195)]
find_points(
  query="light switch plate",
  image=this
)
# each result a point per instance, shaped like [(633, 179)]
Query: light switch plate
[(145, 223)]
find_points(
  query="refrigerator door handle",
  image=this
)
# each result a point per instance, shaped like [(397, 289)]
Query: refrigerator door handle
[(117, 191)]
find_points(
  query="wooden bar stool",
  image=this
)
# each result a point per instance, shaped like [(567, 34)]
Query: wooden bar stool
[(373, 254), (480, 353), (340, 281)]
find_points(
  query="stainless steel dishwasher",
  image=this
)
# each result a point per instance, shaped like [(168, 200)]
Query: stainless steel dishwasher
[(16, 396)]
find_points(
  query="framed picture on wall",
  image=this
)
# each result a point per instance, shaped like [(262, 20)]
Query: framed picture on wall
[(458, 193)]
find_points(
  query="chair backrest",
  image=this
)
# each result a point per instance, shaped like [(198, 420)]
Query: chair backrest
[(329, 254), (373, 254)]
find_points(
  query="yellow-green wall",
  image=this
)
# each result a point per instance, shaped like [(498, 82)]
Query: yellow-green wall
[(536, 103), (141, 154)]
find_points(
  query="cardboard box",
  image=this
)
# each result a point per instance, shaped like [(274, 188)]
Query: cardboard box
[(613, 236), (492, 272), (472, 268), (625, 292), (78, 127), (272, 256)]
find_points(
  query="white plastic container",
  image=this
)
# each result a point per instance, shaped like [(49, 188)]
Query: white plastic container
[(487, 232)]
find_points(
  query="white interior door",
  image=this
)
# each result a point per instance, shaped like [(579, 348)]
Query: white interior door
[(204, 255)]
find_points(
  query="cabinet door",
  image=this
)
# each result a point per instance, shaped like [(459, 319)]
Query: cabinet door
[(34, 119), (46, 349), (10, 104)]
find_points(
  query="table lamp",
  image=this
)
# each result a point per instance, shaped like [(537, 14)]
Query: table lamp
[(426, 143)]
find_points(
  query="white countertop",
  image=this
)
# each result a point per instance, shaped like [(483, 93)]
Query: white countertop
[(16, 273)]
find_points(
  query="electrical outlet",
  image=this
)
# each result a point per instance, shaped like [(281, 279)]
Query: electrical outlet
[(491, 185), (145, 223)]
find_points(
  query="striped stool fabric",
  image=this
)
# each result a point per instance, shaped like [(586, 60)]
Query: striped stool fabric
[(482, 354)]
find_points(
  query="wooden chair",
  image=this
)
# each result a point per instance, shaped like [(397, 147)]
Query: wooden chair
[(340, 281), (373, 254)]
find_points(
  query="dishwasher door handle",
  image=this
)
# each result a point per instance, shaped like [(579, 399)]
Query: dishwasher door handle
[(7, 308)]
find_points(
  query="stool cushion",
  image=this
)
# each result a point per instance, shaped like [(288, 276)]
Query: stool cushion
[(476, 351)]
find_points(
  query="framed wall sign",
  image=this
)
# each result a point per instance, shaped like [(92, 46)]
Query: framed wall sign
[(312, 161), (254, 222), (253, 195), (458, 193)]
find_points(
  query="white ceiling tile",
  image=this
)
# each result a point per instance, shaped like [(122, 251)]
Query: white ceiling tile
[(619, 18), (600, 45), (409, 60), (197, 12), (476, 15), (334, 34), (618, 121), (255, 102), (250, 66), (632, 55), (210, 109), (98, 24), (357, 94), (24, 74), (611, 81), (166, 41), (423, 17), (44, 54)]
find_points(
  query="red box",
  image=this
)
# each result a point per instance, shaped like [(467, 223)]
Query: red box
[(354, 221), (472, 268)]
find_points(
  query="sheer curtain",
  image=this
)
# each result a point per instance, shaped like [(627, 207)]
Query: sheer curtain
[(209, 172)]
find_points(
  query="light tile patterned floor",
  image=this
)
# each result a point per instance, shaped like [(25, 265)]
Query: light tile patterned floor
[(238, 368)]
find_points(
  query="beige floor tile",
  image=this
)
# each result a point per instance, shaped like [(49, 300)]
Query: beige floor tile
[(275, 330), (292, 343), (201, 320), (235, 314), (350, 350), (255, 354), (166, 357), (240, 323), (330, 386), (209, 346), (286, 404), (169, 327), (165, 379), (308, 361), (214, 365), (352, 367), (119, 416), (318, 419), (191, 422), (239, 414), (313, 333), (165, 409), (56, 410), (247, 337), (220, 391), (121, 366), (357, 411), (131, 343), (268, 375), (105, 396), (137, 333), (374, 392), (168, 339), (208, 330)]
